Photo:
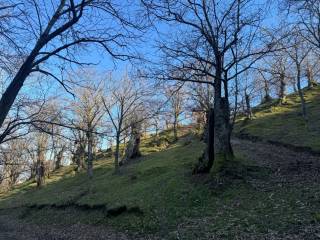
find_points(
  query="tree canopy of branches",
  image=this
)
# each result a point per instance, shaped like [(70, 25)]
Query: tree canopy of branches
[(215, 42), (36, 35)]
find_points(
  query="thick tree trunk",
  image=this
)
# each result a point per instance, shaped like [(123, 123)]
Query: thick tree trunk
[(133, 147), (222, 127), (117, 153), (219, 149), (205, 162), (205, 134), (16, 84), (311, 82), (267, 98), (282, 89), (59, 158), (12, 91), (40, 174), (40, 171), (33, 170), (90, 154), (41, 156)]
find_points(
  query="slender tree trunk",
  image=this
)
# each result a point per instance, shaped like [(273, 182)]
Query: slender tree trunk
[(156, 130), (248, 106), (303, 103), (175, 126)]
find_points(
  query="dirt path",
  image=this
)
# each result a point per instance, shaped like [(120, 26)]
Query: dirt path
[(287, 166)]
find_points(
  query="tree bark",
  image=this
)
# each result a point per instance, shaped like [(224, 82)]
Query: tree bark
[(248, 106), (311, 82), (222, 127), (205, 162), (282, 89), (267, 98), (133, 148), (59, 158), (175, 131), (117, 153), (303, 103), (41, 156), (16, 84), (13, 89), (90, 154)]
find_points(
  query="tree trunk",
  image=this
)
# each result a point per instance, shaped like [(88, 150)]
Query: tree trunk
[(133, 147), (41, 156), (311, 82), (90, 154), (175, 126), (40, 171), (282, 89), (9, 96), (33, 170), (222, 127), (205, 162), (117, 153), (248, 106), (303, 103), (205, 134), (59, 158), (267, 97)]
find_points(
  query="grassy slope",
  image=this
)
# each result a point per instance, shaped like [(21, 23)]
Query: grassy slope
[(173, 201), (285, 123)]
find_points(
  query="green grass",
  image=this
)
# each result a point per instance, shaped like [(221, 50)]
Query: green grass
[(284, 123), (174, 203)]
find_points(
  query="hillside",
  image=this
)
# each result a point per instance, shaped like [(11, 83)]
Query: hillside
[(284, 124), (156, 197)]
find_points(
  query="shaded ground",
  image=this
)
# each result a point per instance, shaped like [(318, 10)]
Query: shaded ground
[(283, 202), (287, 166), (13, 229)]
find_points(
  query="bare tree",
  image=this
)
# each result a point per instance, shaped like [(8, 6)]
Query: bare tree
[(14, 162), (306, 14), (42, 145), (42, 31), (298, 53), (220, 35), (123, 101), (176, 98), (88, 110)]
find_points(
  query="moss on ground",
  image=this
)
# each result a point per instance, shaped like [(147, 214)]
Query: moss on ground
[(284, 123), (173, 202)]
